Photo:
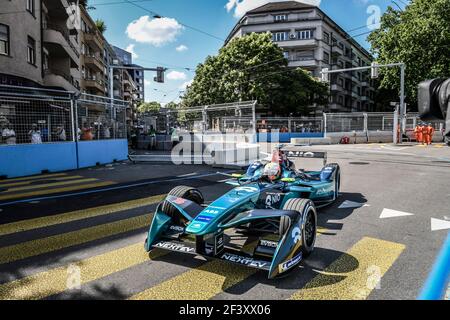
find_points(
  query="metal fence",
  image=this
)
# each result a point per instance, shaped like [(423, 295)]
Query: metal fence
[(35, 115), (236, 117)]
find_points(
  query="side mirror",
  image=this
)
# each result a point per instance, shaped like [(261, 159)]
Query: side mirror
[(288, 180), (237, 175)]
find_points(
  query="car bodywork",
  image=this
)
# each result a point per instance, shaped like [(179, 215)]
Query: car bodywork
[(251, 213)]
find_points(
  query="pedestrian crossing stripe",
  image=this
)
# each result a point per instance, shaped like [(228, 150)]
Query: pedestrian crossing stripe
[(47, 185), (56, 190), (57, 242), (30, 224), (200, 283), (42, 176), (22, 183), (47, 283), (355, 274)]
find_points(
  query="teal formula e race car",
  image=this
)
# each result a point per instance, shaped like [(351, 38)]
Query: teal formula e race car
[(267, 221)]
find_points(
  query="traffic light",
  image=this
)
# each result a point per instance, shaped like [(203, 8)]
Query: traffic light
[(375, 71), (325, 75), (160, 75)]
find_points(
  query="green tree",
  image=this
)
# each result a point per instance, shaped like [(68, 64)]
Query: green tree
[(149, 107), (101, 25), (418, 36), (253, 67)]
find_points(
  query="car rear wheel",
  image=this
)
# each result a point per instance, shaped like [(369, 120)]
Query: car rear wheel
[(307, 210), (184, 192)]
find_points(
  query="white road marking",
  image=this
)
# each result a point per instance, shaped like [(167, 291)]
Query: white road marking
[(389, 213), (351, 204), (437, 224), (187, 175)]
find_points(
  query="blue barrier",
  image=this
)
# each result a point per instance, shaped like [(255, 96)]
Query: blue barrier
[(437, 283), (30, 159), (286, 137), (91, 153)]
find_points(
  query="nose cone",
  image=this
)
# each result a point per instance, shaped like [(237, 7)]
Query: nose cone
[(200, 224)]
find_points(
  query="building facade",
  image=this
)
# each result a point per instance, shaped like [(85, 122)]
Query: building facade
[(37, 48), (126, 59), (313, 41)]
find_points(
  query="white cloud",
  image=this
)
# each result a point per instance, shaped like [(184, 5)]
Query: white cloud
[(130, 49), (156, 32), (147, 82), (242, 6), (176, 75), (186, 84), (181, 48)]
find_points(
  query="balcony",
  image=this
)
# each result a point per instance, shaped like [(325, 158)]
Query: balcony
[(57, 7), (336, 87), (60, 79), (94, 39), (302, 61), (94, 83), (94, 62), (365, 83), (294, 43), (337, 51), (57, 40)]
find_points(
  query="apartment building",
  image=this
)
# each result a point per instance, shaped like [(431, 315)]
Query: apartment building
[(311, 40), (36, 46), (93, 68), (126, 58)]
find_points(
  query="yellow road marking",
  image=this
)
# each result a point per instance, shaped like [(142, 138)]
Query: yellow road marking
[(53, 191), (42, 176), (40, 246), (47, 221), (201, 283), (54, 281), (31, 181), (48, 185), (354, 275)]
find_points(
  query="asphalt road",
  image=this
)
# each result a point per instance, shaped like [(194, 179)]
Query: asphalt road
[(52, 239)]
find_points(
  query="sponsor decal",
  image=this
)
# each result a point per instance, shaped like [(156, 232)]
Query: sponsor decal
[(212, 211), (290, 263), (204, 218), (174, 247), (244, 260), (177, 228), (272, 198), (179, 201), (296, 234), (247, 189), (267, 243)]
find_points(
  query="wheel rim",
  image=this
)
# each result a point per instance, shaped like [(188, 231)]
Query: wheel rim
[(310, 229)]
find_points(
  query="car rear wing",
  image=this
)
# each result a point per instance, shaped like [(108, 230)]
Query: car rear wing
[(292, 153)]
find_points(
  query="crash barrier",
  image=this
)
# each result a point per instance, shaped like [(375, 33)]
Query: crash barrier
[(51, 130), (439, 279), (286, 137)]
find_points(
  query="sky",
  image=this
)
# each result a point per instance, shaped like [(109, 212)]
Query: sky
[(190, 30)]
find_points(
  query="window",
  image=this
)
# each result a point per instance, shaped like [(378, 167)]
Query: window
[(31, 51), (326, 37), (305, 34), (280, 36), (30, 6), (4, 39), (280, 17), (326, 57)]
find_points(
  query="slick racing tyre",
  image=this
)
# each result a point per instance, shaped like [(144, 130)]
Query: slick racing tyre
[(184, 192), (308, 212), (337, 179)]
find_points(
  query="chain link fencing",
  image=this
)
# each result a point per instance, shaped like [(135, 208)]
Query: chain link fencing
[(35, 115)]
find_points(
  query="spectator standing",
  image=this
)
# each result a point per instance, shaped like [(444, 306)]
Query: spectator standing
[(61, 133), (35, 134), (87, 133), (8, 134)]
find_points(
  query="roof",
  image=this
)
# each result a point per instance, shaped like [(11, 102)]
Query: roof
[(281, 6)]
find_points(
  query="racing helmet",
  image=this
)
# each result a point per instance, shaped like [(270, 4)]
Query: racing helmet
[(272, 171)]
